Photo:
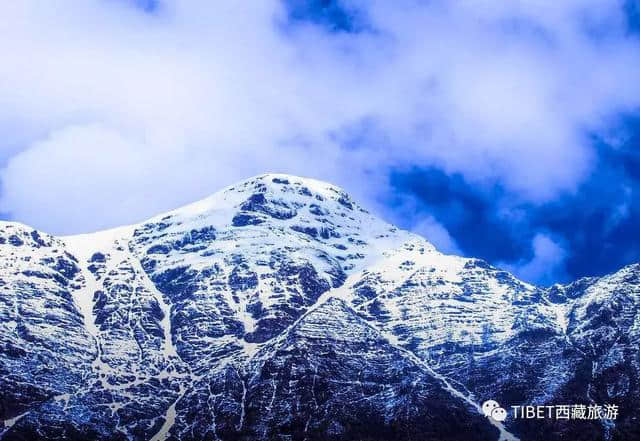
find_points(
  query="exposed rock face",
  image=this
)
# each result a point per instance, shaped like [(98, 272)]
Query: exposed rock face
[(280, 309), (46, 350)]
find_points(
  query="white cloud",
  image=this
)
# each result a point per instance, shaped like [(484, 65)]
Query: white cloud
[(622, 211), (545, 266), (438, 235), (116, 113)]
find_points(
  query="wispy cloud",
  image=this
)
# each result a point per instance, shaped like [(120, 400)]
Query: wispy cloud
[(545, 266), (438, 235)]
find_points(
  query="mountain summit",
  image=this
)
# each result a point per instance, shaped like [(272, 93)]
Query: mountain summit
[(278, 308)]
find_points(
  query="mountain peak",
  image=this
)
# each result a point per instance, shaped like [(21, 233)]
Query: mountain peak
[(277, 181), (284, 209), (276, 187), (281, 291)]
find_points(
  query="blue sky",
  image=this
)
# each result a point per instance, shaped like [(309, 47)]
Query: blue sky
[(503, 130)]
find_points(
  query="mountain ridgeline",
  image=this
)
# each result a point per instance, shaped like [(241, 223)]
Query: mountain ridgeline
[(279, 309)]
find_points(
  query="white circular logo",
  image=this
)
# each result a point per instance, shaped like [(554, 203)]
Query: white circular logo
[(499, 414), (491, 409), (488, 406)]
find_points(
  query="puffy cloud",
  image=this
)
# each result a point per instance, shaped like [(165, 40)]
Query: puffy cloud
[(112, 112)]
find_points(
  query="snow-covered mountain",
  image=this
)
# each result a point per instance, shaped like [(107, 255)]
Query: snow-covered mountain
[(278, 308)]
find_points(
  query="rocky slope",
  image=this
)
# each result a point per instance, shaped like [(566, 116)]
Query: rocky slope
[(280, 309)]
